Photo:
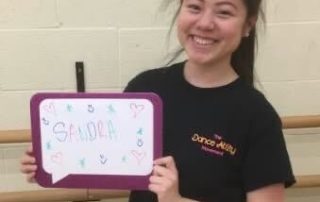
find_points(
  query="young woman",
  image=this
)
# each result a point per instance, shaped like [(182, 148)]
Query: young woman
[(222, 139)]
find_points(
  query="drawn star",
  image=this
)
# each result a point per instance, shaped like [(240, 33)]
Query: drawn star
[(45, 121), (140, 131), (111, 109), (82, 162), (69, 108), (48, 145), (124, 159)]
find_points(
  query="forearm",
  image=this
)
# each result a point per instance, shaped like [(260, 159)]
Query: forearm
[(271, 193), (187, 200)]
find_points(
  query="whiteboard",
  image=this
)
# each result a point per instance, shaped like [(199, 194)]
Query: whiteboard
[(96, 140)]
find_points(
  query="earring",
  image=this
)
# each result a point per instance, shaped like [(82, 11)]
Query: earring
[(247, 34)]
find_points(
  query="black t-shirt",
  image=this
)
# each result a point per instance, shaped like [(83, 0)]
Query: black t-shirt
[(226, 140)]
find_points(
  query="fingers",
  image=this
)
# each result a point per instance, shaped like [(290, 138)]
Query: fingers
[(29, 150), (164, 174), (29, 168), (31, 177), (26, 159), (28, 164), (168, 162), (26, 169), (160, 184), (157, 180), (156, 188), (164, 171), (164, 180)]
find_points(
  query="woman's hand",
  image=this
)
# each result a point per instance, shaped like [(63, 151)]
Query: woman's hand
[(164, 180), (28, 164)]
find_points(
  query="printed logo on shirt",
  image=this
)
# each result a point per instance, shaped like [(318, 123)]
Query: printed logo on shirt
[(215, 145)]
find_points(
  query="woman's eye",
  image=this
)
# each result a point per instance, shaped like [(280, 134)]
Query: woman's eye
[(194, 8), (224, 13)]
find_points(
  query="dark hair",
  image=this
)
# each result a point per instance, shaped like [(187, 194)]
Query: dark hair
[(243, 58)]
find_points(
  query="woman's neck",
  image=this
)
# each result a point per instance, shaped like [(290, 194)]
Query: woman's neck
[(209, 76)]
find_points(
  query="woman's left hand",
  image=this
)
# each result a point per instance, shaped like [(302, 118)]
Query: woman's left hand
[(164, 180)]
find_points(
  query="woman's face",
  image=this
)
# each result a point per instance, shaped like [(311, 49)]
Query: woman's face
[(211, 30)]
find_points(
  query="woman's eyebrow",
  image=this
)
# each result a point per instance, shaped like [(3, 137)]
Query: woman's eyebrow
[(197, 0), (226, 2)]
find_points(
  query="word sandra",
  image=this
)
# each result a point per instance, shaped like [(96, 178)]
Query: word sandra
[(214, 144), (88, 132)]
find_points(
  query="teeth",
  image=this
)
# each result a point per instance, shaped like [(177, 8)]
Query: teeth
[(203, 41)]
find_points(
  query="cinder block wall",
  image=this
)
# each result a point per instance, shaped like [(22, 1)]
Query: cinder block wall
[(40, 40), (289, 62)]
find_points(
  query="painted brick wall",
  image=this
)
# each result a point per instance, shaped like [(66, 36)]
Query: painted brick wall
[(40, 40), (288, 61)]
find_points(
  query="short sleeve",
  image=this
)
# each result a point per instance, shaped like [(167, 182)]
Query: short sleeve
[(266, 160), (133, 85), (143, 82)]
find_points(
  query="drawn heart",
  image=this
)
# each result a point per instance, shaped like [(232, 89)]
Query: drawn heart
[(136, 109), (138, 155), (50, 108), (57, 158)]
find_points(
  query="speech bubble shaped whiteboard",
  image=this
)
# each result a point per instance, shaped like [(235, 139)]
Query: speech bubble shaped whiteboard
[(91, 140)]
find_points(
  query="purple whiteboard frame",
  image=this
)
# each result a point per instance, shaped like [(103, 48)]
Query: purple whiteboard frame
[(94, 181)]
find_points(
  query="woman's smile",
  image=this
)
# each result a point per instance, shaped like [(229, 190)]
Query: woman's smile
[(203, 41)]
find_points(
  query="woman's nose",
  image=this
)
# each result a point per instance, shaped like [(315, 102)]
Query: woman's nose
[(206, 22)]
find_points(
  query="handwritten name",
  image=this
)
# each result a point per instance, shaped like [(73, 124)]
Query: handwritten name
[(88, 132)]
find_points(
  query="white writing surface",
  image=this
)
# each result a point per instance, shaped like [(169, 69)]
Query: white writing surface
[(96, 136)]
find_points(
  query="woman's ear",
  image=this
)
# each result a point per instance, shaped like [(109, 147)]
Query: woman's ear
[(248, 26)]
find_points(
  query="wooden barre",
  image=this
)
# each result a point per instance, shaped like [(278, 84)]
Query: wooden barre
[(106, 194), (22, 136), (307, 181), (55, 195), (312, 121), (15, 136), (45, 195)]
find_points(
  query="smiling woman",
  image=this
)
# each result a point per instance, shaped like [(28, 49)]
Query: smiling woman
[(242, 58), (210, 31), (212, 93)]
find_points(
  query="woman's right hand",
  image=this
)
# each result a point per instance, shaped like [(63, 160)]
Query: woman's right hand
[(28, 164)]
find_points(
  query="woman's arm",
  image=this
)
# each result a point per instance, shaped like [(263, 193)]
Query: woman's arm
[(164, 181), (272, 193)]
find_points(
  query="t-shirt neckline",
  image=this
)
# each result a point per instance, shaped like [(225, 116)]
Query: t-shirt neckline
[(196, 88)]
